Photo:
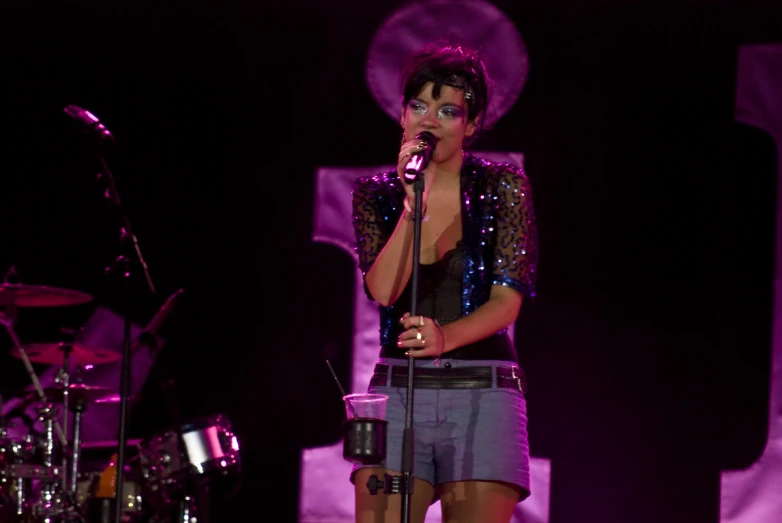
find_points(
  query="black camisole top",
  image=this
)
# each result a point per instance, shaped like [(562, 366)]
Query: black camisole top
[(440, 289)]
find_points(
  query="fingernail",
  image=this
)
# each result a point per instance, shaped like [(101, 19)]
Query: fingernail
[(399, 344)]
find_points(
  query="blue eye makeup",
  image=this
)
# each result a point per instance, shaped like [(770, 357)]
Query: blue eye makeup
[(417, 107), (447, 112), (450, 112)]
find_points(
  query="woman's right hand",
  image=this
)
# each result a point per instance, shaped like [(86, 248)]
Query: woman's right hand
[(405, 152)]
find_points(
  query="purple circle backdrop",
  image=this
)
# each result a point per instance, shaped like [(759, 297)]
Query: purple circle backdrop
[(474, 23)]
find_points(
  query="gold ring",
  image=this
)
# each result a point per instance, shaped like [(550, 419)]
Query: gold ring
[(423, 342), (421, 321), (418, 336)]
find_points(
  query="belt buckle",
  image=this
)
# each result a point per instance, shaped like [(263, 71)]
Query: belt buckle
[(516, 377)]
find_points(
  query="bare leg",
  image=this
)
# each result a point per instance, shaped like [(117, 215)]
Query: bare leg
[(484, 501), (387, 508)]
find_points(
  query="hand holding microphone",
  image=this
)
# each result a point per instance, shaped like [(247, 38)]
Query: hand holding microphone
[(414, 158)]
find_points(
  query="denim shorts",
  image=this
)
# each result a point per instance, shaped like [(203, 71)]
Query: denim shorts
[(460, 434)]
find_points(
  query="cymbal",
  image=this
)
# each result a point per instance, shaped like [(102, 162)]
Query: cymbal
[(79, 392), (40, 296), (112, 398), (54, 354)]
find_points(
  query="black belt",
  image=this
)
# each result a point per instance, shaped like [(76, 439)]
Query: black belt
[(448, 377)]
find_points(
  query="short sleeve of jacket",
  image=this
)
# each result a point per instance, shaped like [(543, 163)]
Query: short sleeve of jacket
[(368, 226), (516, 252)]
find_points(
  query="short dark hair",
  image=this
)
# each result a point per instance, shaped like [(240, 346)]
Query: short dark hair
[(446, 63)]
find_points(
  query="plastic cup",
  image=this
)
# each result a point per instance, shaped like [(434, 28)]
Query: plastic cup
[(365, 430), (366, 406)]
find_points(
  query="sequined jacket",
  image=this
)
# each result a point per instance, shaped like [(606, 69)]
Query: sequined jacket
[(499, 234)]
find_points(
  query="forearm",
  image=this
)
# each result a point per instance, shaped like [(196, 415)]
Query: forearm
[(390, 272), (498, 313)]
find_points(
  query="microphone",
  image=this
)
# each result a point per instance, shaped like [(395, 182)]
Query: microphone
[(419, 160), (89, 122)]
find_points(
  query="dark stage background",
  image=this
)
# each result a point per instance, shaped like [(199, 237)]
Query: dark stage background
[(647, 349)]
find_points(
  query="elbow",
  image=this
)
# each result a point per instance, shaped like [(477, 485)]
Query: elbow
[(384, 299), (383, 296), (384, 302), (385, 291), (515, 307), (509, 303)]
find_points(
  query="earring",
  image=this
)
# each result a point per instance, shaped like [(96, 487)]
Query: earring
[(404, 138)]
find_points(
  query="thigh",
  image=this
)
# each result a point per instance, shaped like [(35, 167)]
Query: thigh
[(483, 438), (485, 501), (387, 508)]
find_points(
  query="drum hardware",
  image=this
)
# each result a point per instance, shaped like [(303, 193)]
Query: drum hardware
[(113, 398), (192, 454), (187, 510), (39, 296), (6, 318), (13, 295), (46, 414), (42, 472), (82, 396), (81, 393), (79, 406), (175, 479), (14, 482), (79, 355), (63, 377), (96, 493), (77, 396)]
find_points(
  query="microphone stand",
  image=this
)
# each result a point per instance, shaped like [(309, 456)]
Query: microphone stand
[(408, 434), (414, 173), (128, 243)]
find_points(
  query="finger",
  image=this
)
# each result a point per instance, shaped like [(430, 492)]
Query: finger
[(415, 338), (416, 322), (412, 334), (414, 144), (433, 344), (404, 317), (409, 149), (413, 344), (406, 151)]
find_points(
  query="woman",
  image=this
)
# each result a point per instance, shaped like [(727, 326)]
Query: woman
[(478, 260)]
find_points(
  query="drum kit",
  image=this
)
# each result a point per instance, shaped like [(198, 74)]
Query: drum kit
[(43, 477)]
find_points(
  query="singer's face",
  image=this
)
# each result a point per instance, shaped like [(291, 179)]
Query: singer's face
[(445, 117)]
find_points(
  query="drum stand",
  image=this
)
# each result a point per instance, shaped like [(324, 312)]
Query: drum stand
[(78, 408), (63, 376), (53, 427)]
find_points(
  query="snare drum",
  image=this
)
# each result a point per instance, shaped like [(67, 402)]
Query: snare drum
[(207, 448)]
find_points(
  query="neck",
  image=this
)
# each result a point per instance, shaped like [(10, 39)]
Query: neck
[(450, 168)]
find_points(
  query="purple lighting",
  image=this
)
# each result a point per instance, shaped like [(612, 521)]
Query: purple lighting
[(753, 495)]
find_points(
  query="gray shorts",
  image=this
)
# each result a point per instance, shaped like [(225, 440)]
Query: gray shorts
[(460, 434)]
